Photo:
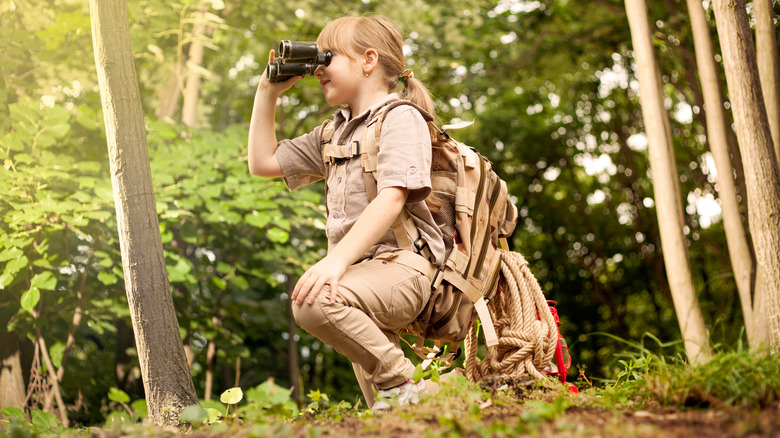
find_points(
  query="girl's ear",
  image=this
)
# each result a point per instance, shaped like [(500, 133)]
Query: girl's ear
[(370, 60)]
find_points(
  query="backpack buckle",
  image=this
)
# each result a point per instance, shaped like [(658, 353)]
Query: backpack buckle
[(437, 278), (417, 247)]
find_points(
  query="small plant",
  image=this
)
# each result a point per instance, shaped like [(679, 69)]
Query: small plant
[(130, 412), (321, 408), (43, 423)]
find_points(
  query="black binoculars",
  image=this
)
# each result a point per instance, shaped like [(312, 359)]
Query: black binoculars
[(297, 58)]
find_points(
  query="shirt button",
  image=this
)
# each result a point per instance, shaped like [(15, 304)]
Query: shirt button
[(413, 170), (335, 215), (339, 180)]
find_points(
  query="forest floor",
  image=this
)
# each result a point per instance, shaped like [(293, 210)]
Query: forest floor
[(508, 409)]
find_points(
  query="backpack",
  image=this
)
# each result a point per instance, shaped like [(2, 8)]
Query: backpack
[(471, 206)]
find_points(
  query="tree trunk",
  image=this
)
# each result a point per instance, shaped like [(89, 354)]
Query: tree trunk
[(666, 186), (758, 157), (189, 110), (169, 95), (12, 389), (292, 344), (768, 68), (167, 382), (717, 137)]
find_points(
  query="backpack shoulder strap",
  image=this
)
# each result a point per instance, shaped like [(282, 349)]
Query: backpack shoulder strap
[(404, 228), (326, 139), (370, 143)]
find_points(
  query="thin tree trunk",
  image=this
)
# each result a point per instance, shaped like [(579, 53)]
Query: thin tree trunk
[(189, 110), (717, 137), (211, 351), (755, 145), (63, 413), (768, 68), (169, 95), (11, 380), (292, 343), (75, 323), (666, 187), (167, 381)]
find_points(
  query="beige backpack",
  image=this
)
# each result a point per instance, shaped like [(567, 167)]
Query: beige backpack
[(472, 210)]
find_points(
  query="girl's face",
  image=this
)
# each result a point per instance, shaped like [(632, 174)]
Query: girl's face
[(341, 80)]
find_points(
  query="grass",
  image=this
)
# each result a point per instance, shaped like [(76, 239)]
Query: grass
[(738, 391)]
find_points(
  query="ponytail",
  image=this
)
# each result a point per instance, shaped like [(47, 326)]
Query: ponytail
[(415, 91)]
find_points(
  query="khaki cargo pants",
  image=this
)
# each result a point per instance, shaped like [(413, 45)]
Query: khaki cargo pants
[(376, 299)]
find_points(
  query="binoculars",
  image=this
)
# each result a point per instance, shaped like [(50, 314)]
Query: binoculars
[(297, 58)]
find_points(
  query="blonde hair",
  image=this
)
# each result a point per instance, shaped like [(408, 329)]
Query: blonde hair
[(353, 35)]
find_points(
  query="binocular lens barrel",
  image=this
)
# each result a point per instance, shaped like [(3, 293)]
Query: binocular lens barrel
[(298, 49), (278, 71)]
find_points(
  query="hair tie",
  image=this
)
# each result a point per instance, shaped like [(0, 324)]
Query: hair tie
[(407, 74)]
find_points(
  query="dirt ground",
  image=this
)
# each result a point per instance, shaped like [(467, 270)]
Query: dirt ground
[(575, 422)]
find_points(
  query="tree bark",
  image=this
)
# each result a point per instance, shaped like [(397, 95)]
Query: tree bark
[(717, 137), (166, 378), (12, 388), (768, 67), (758, 157), (666, 186)]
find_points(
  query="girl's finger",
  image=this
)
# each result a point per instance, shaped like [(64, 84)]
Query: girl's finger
[(334, 286), (305, 288), (315, 290), (298, 286)]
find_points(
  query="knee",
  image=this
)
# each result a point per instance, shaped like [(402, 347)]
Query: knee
[(309, 316)]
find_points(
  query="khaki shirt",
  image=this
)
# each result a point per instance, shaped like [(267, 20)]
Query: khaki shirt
[(404, 160)]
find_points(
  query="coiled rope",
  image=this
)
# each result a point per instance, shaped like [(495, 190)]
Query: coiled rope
[(527, 333)]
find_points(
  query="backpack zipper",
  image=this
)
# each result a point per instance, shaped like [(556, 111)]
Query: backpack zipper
[(480, 189), (486, 240)]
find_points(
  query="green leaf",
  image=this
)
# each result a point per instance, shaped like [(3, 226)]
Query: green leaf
[(44, 421), (117, 395), (194, 414), (44, 281), (56, 352), (218, 283), (240, 282), (107, 278), (268, 394), (213, 415), (258, 219), (278, 235), (16, 265), (139, 406), (10, 253), (13, 412), (30, 299), (232, 396)]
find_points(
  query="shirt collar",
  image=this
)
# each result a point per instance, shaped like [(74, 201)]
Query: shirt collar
[(342, 114)]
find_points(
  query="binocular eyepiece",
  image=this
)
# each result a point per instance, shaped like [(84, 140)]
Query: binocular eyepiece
[(297, 58)]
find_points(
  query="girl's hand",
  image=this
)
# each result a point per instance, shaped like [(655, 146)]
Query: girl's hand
[(275, 88), (327, 271)]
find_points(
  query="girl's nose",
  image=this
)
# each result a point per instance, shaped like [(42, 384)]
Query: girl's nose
[(319, 71)]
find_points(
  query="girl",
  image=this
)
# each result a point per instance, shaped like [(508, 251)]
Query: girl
[(358, 298)]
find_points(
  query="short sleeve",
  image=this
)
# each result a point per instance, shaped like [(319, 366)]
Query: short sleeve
[(404, 158), (301, 159)]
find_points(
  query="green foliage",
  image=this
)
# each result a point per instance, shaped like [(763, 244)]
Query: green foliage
[(265, 403), (567, 147), (43, 423), (729, 378)]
